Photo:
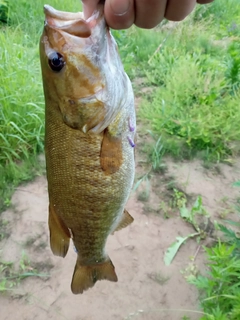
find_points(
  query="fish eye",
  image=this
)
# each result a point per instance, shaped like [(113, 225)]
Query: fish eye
[(56, 61)]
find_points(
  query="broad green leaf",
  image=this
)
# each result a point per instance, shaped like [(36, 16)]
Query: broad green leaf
[(197, 205), (173, 249), (185, 213)]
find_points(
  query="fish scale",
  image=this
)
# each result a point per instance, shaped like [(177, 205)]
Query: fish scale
[(89, 140)]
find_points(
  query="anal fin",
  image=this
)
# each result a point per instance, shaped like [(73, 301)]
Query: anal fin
[(85, 276), (125, 221), (59, 234)]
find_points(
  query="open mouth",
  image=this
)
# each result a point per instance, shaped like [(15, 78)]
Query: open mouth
[(71, 23)]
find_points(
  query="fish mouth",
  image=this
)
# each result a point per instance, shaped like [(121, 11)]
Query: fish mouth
[(62, 15), (71, 23)]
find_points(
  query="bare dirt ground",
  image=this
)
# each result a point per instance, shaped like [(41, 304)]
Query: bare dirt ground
[(147, 289)]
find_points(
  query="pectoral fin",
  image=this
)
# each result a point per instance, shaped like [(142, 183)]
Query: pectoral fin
[(59, 234), (111, 157), (125, 221)]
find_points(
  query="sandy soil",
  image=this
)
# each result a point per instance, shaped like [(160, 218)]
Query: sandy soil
[(147, 289)]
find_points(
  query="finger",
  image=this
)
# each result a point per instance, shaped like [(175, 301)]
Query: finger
[(204, 1), (149, 13), (119, 14), (178, 9), (89, 6)]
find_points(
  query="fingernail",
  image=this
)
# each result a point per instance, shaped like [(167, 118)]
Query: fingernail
[(120, 7)]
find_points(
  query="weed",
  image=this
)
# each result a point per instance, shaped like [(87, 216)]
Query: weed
[(7, 202), (219, 289), (179, 199), (165, 208), (190, 217), (155, 152), (24, 262), (225, 208), (9, 278), (231, 237), (16, 172), (191, 271), (156, 155)]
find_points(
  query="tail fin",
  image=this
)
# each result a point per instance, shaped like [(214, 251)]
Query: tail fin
[(84, 277)]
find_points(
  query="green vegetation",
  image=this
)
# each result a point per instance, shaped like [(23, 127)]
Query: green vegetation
[(189, 216), (4, 9), (194, 68), (219, 287), (21, 112), (9, 278)]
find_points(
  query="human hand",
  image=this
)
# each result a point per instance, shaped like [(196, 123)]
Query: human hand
[(121, 14)]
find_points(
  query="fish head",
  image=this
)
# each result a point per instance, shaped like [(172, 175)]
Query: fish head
[(77, 55)]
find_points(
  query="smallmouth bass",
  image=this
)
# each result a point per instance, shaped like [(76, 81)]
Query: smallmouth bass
[(89, 140)]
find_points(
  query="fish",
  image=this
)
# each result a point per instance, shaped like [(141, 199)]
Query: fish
[(90, 131)]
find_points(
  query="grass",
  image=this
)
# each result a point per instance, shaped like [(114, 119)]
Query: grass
[(10, 278), (195, 105), (21, 111), (135, 47), (219, 286), (194, 70)]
